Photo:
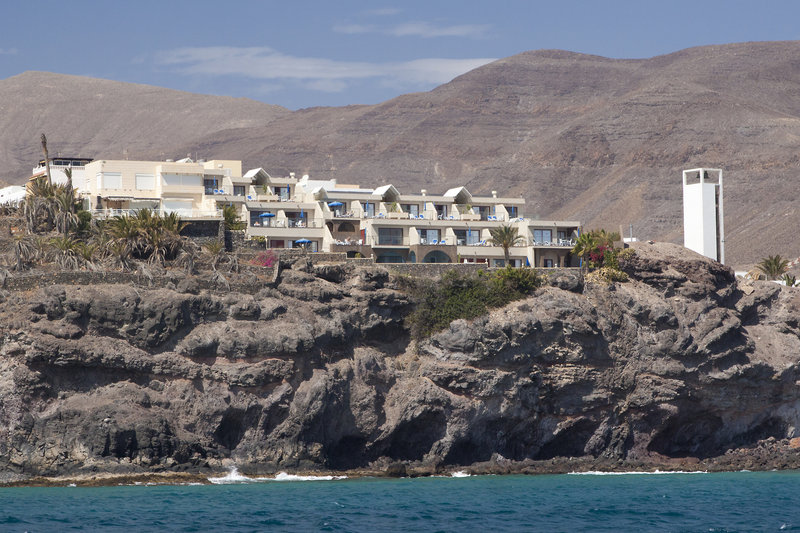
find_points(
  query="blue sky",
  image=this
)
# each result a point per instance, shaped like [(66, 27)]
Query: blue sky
[(298, 53)]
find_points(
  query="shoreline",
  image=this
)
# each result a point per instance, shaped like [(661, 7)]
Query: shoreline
[(768, 455)]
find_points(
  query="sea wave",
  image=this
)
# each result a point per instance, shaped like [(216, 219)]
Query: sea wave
[(233, 477), (460, 473), (635, 473)]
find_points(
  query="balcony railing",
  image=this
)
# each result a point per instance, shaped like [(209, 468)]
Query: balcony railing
[(555, 242), (286, 223), (182, 213)]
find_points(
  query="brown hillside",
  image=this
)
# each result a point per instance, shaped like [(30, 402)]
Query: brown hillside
[(578, 136), (100, 118), (585, 137)]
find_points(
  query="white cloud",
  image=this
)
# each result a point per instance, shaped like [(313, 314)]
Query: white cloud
[(8, 51), (353, 29), (384, 12), (416, 29), (319, 74)]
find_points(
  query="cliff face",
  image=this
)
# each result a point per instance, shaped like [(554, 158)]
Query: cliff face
[(319, 373)]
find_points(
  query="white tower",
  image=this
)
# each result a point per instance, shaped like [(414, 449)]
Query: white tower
[(703, 226)]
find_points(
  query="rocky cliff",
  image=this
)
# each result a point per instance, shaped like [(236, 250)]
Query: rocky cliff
[(318, 373)]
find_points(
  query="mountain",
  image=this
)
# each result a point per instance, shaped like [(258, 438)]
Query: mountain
[(88, 117), (580, 137)]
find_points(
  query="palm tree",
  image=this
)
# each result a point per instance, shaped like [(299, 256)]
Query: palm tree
[(585, 243), (24, 251), (46, 159), (231, 218), (773, 266), (506, 236), (67, 252), (595, 241)]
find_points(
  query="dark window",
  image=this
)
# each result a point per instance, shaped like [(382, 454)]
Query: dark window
[(410, 208), (210, 185), (390, 236), (238, 190)]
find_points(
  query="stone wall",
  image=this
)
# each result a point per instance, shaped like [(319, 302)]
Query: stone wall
[(258, 278)]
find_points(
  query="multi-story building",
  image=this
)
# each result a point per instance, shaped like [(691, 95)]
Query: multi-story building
[(396, 228), (59, 167), (191, 189), (323, 215)]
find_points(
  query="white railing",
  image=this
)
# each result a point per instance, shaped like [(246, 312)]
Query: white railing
[(182, 213), (556, 242)]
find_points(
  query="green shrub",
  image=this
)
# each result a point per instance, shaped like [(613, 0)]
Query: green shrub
[(466, 296), (606, 275)]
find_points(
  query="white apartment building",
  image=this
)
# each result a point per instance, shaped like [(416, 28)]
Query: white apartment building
[(189, 188), (58, 167), (323, 215)]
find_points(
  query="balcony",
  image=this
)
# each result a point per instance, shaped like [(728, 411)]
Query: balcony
[(182, 213)]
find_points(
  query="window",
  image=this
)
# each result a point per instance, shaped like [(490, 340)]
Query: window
[(257, 220), (180, 207), (542, 236), (390, 236), (209, 185), (145, 182), (441, 210), (238, 190), (484, 211), (512, 211), (282, 192), (182, 180), (109, 180), (369, 208), (427, 236), (547, 263), (468, 237), (410, 208)]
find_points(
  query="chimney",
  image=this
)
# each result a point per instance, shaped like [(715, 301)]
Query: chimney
[(424, 192), (291, 175), (494, 194)]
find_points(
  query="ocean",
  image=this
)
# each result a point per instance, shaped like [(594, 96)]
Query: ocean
[(718, 502)]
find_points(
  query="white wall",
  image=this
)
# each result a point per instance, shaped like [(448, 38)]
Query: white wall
[(700, 219)]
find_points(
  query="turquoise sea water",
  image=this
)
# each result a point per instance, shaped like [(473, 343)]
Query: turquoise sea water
[(637, 502)]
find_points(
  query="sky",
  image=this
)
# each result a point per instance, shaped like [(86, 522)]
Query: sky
[(298, 53)]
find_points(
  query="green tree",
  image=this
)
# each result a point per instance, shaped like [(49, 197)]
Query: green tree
[(594, 247), (773, 266), (505, 236), (232, 219)]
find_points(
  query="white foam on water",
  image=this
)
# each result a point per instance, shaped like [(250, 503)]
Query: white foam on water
[(283, 476), (233, 476), (653, 473), (460, 473), (72, 485)]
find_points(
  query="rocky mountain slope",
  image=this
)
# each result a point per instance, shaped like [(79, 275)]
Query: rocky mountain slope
[(580, 137), (90, 117), (682, 363)]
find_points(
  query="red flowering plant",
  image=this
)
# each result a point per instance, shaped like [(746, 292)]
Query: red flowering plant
[(264, 259)]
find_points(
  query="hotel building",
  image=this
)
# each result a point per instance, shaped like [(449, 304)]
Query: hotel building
[(323, 215)]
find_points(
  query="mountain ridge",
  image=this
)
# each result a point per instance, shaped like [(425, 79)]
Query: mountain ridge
[(601, 140)]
